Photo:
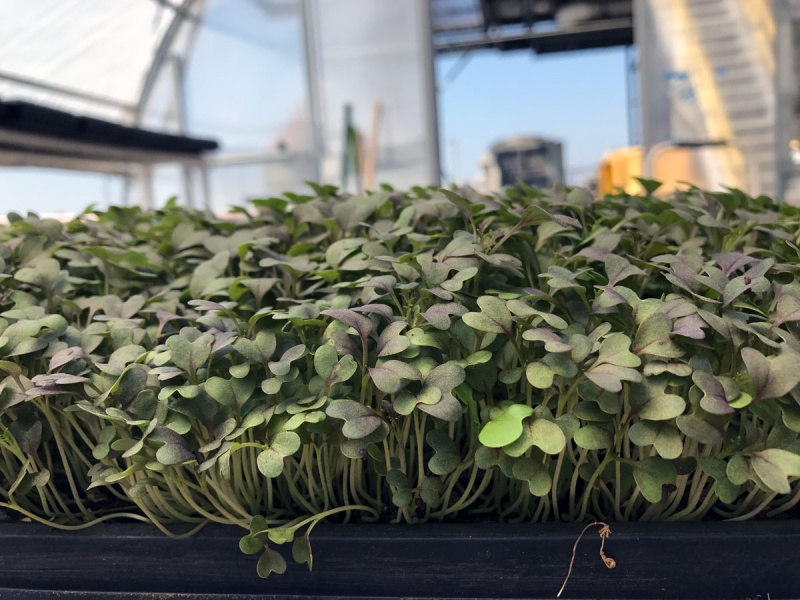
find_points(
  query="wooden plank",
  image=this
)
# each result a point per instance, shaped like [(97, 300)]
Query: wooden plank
[(371, 155)]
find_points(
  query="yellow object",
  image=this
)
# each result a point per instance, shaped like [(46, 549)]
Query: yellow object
[(679, 167), (619, 170), (676, 167)]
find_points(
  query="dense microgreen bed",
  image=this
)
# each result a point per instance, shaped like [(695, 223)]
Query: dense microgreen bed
[(402, 357)]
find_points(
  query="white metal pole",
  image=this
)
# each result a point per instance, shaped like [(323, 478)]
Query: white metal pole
[(313, 85), (425, 8), (179, 92), (643, 38)]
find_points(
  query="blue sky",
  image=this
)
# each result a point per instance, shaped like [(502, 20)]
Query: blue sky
[(578, 98)]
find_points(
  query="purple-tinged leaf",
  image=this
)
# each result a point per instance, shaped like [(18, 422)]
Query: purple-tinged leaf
[(690, 326), (503, 261), (167, 372), (259, 287), (434, 273), (391, 341), (594, 253), (439, 315), (706, 220), (552, 341), (390, 376), (462, 245), (759, 269), (165, 317), (713, 279), (204, 305), (619, 268), (56, 379), (559, 278), (37, 391), (493, 318), (675, 308), (441, 293), (658, 367), (380, 309), (566, 221), (615, 350), (363, 325), (445, 377), (283, 366), (735, 288), (381, 282), (787, 309), (774, 377), (661, 406), (339, 250), (732, 261), (223, 342), (715, 400), (774, 466), (360, 420), (446, 409), (723, 326), (681, 272), (456, 283), (610, 377), (66, 356), (607, 299)]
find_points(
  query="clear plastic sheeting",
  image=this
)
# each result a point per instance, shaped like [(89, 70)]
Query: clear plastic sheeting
[(246, 85), (378, 53), (267, 79), (245, 82), (85, 56)]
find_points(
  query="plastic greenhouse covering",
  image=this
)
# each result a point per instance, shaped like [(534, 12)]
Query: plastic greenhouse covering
[(268, 79)]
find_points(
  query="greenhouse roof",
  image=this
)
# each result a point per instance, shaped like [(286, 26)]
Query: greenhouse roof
[(270, 80)]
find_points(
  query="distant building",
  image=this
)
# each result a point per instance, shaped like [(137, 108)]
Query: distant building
[(533, 161)]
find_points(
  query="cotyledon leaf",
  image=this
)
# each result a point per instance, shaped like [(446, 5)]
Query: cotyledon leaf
[(505, 427)]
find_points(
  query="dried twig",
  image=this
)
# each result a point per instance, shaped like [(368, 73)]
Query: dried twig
[(609, 562)]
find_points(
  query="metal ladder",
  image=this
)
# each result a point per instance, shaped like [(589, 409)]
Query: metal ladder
[(736, 40)]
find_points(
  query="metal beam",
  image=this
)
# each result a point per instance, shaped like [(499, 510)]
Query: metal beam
[(257, 158), (618, 31), (65, 91), (56, 147), (15, 158), (313, 84), (487, 11), (647, 77), (176, 8), (785, 90), (429, 83), (178, 81), (162, 54)]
